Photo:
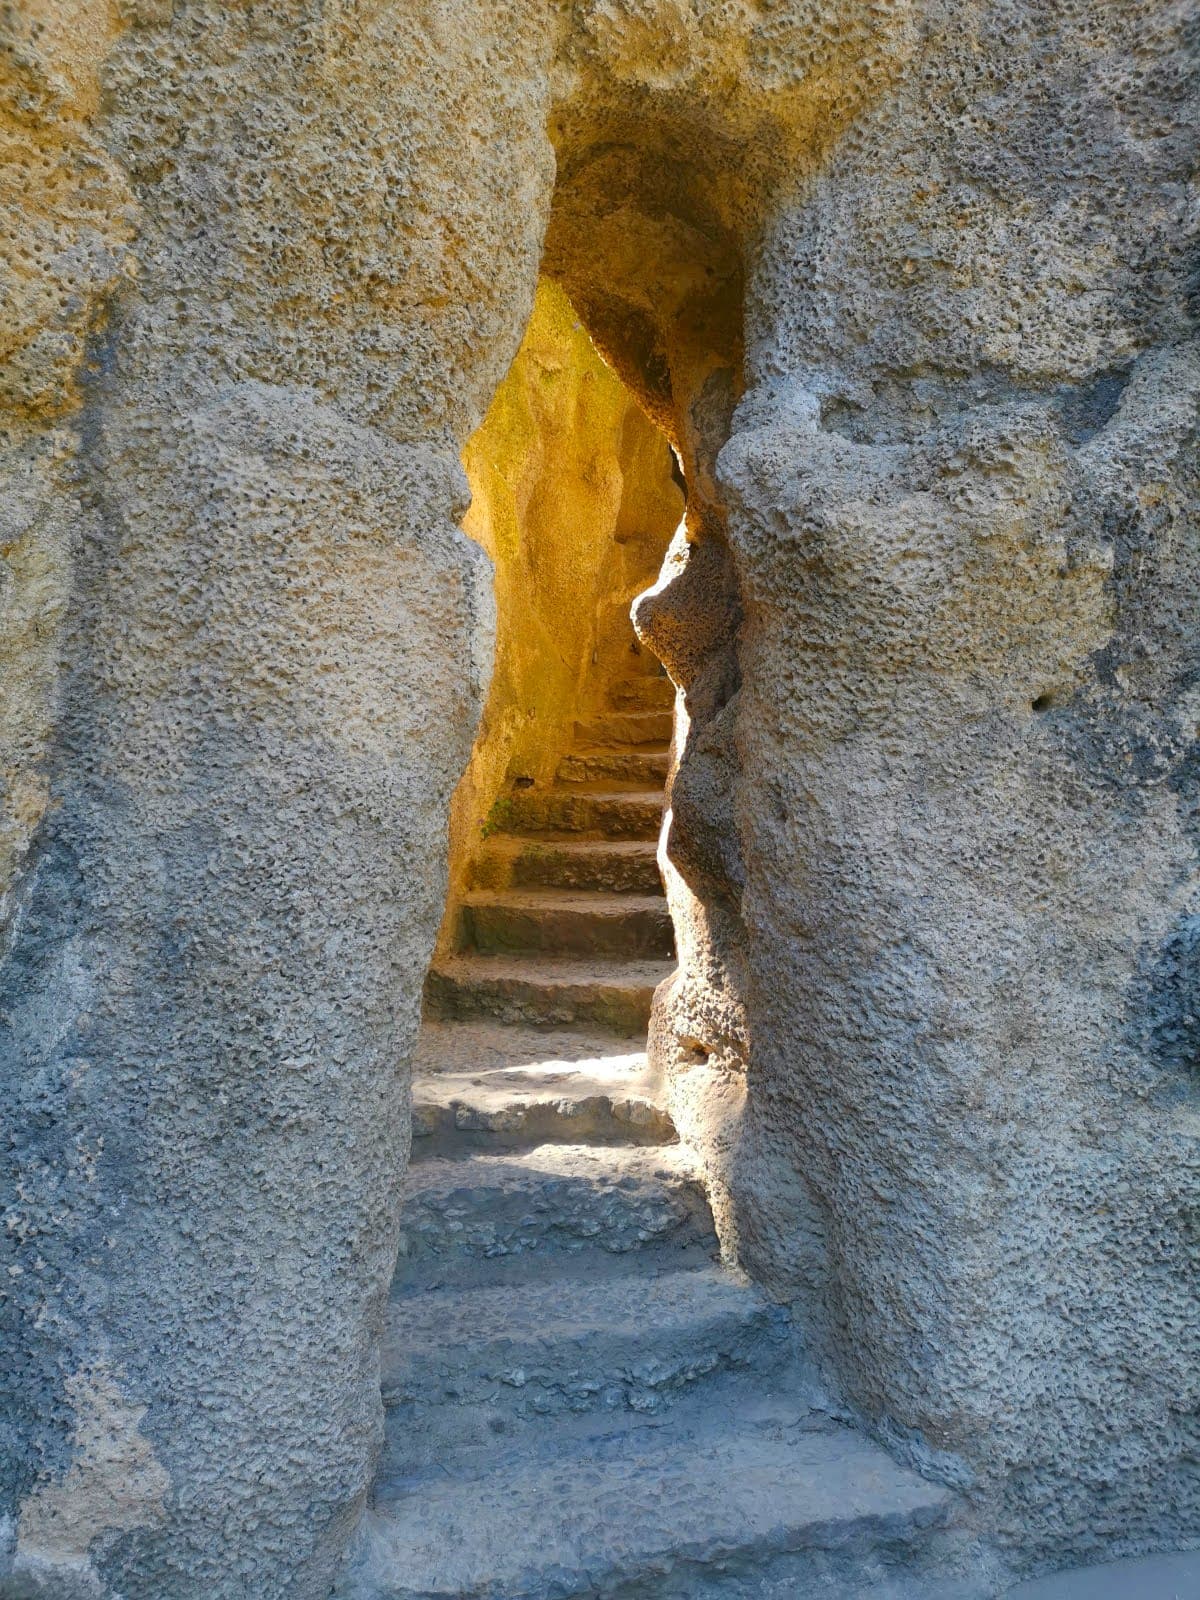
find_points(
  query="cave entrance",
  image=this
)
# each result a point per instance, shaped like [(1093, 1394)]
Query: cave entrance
[(557, 929), (560, 1277)]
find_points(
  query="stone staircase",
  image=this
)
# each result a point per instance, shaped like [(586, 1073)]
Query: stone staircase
[(580, 1400), (566, 922)]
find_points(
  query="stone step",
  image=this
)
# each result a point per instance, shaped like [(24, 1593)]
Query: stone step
[(643, 693), (607, 813), (472, 1360), (569, 863), (735, 1507), (644, 767), (547, 991), (487, 1086), (501, 921), (625, 728), (554, 1202)]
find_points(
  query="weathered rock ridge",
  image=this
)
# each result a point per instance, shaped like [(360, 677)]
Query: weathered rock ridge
[(908, 285)]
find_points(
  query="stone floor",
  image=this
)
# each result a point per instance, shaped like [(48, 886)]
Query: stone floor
[(1171, 1577)]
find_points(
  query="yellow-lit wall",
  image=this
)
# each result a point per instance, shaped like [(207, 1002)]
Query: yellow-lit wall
[(574, 501)]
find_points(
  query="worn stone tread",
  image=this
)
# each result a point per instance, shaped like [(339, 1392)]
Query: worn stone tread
[(481, 1084), (571, 971), (647, 767), (640, 1509), (642, 1311), (1162, 1577), (553, 1200), (567, 861), (605, 810), (546, 991), (574, 1344), (595, 903), (458, 1047), (625, 727), (646, 692), (457, 1114), (575, 921)]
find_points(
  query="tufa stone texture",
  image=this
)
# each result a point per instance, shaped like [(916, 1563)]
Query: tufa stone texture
[(908, 286)]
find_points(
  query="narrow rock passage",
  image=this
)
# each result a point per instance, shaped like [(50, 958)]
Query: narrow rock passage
[(580, 1399), (566, 924)]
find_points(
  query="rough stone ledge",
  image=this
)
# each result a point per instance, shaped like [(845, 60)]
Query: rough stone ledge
[(555, 1200), (662, 1511)]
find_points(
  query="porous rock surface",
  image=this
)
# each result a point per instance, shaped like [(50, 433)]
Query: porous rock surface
[(907, 285), (953, 1098)]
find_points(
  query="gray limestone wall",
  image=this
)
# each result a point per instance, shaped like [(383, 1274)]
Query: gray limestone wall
[(274, 653), (962, 497)]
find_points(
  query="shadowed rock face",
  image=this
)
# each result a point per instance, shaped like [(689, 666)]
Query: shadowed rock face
[(907, 287), (955, 885), (275, 656)]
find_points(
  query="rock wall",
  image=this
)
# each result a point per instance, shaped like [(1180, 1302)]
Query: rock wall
[(274, 656), (907, 285), (951, 1101), (68, 218), (573, 499)]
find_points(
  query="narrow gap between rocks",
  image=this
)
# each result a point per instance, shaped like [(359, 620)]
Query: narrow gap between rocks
[(557, 929)]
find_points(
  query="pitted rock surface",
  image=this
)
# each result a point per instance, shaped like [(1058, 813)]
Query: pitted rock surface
[(556, 1198), (909, 285)]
